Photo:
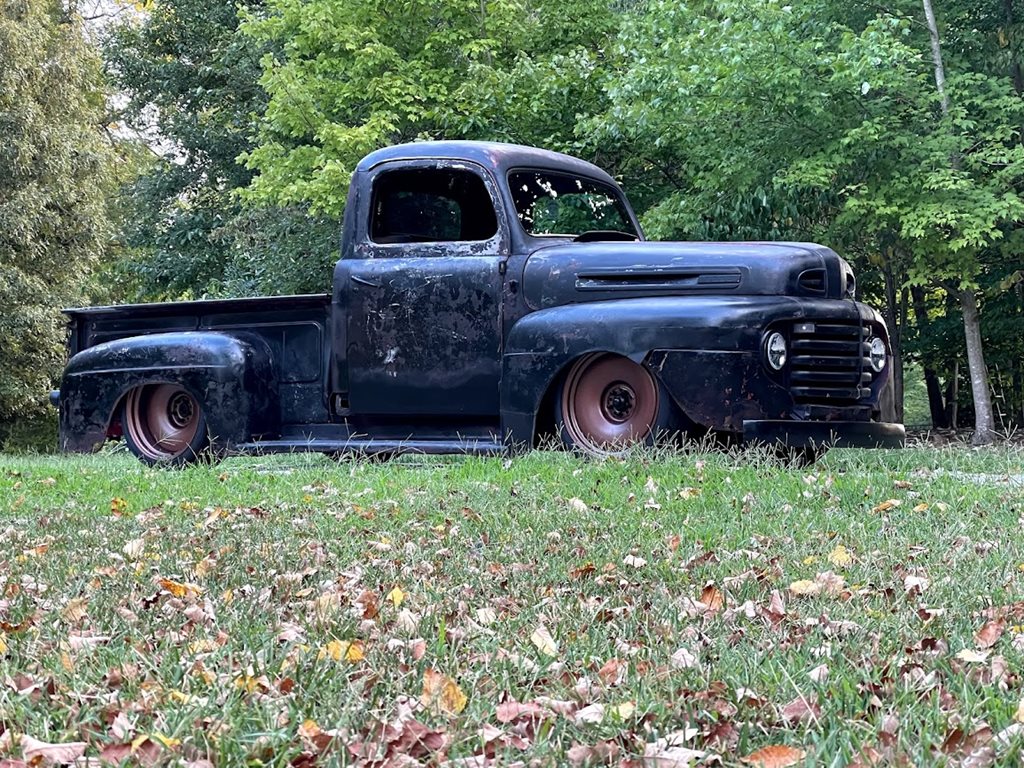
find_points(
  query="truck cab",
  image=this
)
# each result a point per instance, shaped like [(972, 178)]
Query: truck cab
[(489, 296)]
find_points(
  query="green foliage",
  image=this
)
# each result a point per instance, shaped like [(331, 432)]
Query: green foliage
[(348, 76), (54, 173), (192, 86)]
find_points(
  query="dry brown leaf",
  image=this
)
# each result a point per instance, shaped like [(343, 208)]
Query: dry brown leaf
[(989, 634), (612, 672), (775, 756), (75, 610), (802, 709), (578, 505), (40, 753), (886, 505), (712, 597), (511, 710), (441, 694)]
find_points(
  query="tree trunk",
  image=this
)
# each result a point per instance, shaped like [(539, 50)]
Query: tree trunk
[(892, 319), (936, 407), (984, 423), (953, 395)]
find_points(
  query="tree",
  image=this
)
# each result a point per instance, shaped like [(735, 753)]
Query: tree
[(55, 167), (755, 105), (348, 76), (191, 82)]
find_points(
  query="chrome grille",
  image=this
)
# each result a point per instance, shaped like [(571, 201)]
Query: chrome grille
[(829, 363)]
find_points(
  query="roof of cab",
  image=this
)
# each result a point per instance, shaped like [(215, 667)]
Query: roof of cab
[(496, 156)]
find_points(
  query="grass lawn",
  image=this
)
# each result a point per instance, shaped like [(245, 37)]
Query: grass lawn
[(664, 610)]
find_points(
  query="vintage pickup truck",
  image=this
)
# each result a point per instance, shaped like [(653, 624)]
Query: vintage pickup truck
[(490, 296)]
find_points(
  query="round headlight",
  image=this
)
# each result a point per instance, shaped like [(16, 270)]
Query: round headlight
[(877, 355), (775, 351)]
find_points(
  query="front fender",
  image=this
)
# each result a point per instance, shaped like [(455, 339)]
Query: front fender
[(543, 343), (231, 375)]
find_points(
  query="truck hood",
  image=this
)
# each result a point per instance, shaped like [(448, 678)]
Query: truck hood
[(577, 272)]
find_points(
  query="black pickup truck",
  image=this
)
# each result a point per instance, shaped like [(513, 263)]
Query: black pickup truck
[(489, 296)]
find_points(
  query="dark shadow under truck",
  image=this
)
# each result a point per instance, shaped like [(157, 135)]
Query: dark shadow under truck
[(488, 295)]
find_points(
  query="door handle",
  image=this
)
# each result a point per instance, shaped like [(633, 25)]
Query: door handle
[(364, 281)]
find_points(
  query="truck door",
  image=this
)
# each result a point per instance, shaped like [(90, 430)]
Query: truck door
[(424, 303)]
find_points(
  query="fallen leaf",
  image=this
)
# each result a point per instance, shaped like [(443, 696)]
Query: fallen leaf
[(441, 694), (511, 710), (819, 674), (802, 709), (179, 589), (134, 548), (989, 634), (712, 597), (486, 616), (625, 710), (656, 756), (775, 756), (689, 493), (915, 585), (683, 659), (590, 715), (336, 650), (840, 557), (612, 672), (544, 641), (633, 561), (805, 588), (396, 596), (832, 584), (38, 752), (972, 656), (886, 505), (578, 505)]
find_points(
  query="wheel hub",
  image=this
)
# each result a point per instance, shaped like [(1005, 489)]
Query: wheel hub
[(180, 410), (618, 402)]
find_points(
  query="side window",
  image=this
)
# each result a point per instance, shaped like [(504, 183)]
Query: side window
[(429, 205)]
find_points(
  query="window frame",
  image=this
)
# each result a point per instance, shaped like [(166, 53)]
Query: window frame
[(623, 203), (496, 245)]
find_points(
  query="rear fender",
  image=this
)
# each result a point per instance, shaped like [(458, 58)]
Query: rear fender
[(231, 375)]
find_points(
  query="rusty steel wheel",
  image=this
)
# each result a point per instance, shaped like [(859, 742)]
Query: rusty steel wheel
[(607, 404), (164, 424)]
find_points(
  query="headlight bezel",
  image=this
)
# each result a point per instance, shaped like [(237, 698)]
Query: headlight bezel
[(878, 354), (776, 351)]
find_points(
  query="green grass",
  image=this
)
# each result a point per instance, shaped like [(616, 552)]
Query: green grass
[(287, 554)]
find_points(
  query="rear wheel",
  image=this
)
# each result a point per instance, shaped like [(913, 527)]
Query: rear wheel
[(607, 404), (164, 424)]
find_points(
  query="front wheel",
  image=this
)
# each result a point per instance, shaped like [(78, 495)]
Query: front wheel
[(164, 425), (607, 404)]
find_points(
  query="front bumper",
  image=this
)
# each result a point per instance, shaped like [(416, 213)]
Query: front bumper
[(829, 434)]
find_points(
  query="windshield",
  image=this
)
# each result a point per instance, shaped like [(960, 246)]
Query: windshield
[(557, 204)]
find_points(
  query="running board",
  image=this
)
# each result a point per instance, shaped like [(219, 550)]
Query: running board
[(467, 446)]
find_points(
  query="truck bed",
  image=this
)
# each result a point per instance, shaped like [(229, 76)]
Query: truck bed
[(295, 328)]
